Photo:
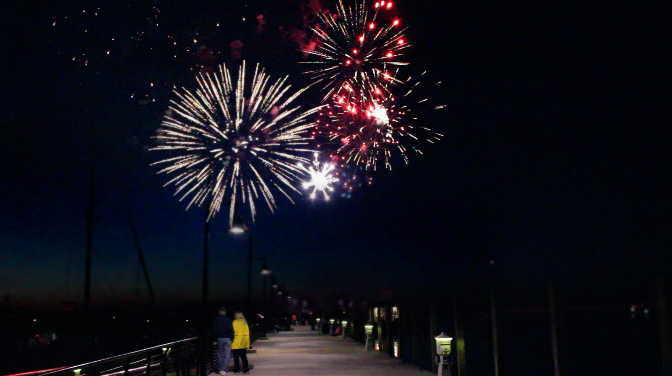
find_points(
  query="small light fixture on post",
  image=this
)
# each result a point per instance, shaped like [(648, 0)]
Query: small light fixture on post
[(237, 225), (443, 343), (331, 326), (274, 286), (368, 328), (265, 272), (319, 328), (344, 324)]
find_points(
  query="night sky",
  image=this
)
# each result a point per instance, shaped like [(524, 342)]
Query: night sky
[(554, 163)]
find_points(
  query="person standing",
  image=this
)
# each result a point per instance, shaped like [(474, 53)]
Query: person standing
[(241, 342), (224, 334)]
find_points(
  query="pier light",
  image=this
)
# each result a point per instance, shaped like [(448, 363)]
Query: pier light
[(369, 329), (443, 351), (443, 344)]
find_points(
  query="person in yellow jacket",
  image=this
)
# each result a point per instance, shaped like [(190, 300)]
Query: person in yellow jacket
[(241, 342)]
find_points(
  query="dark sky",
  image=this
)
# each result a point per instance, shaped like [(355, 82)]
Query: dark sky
[(554, 163)]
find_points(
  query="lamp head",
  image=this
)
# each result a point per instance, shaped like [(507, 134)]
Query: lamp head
[(237, 226), (443, 344), (264, 269)]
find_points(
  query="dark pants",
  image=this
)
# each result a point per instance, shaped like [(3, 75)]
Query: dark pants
[(237, 354)]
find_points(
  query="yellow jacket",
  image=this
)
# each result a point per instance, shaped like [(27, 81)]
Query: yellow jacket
[(241, 335)]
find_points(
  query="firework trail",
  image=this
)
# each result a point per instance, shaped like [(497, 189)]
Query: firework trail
[(322, 176), (357, 48), (369, 133), (233, 140)]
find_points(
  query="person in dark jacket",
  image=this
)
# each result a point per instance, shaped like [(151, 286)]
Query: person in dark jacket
[(224, 333)]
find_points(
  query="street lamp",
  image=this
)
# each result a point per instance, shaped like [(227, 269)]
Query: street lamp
[(443, 351), (369, 330), (331, 327), (274, 286), (236, 227), (265, 272), (239, 227), (344, 324)]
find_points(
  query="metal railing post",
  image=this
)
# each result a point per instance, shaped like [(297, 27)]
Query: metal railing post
[(149, 363), (127, 365)]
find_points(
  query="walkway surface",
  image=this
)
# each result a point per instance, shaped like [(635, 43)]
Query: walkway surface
[(305, 352)]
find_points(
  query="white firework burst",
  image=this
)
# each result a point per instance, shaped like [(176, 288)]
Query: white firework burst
[(230, 140), (321, 178)]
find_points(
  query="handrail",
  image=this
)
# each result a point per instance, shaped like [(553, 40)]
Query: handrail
[(184, 356), (118, 357)]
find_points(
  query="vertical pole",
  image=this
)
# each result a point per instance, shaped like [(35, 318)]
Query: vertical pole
[(459, 334), (140, 255), (432, 334), (263, 305), (89, 246), (415, 333), (388, 330), (554, 330), (271, 300), (495, 339), (249, 275), (663, 320), (204, 294), (400, 330)]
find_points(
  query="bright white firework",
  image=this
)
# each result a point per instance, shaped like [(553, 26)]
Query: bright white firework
[(321, 178), (380, 114), (230, 140)]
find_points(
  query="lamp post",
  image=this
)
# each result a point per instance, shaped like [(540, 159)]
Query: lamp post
[(344, 325), (236, 227), (265, 272), (331, 326), (368, 328), (282, 304), (240, 228), (204, 294), (274, 286), (319, 328), (443, 351)]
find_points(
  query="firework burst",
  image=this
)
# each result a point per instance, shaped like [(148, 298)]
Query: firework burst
[(369, 133), (357, 48), (322, 177), (230, 140)]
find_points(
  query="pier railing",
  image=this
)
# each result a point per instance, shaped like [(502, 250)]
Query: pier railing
[(174, 358), (177, 358)]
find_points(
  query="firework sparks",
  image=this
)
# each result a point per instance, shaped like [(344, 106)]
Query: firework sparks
[(321, 178), (368, 133), (358, 47), (232, 141)]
